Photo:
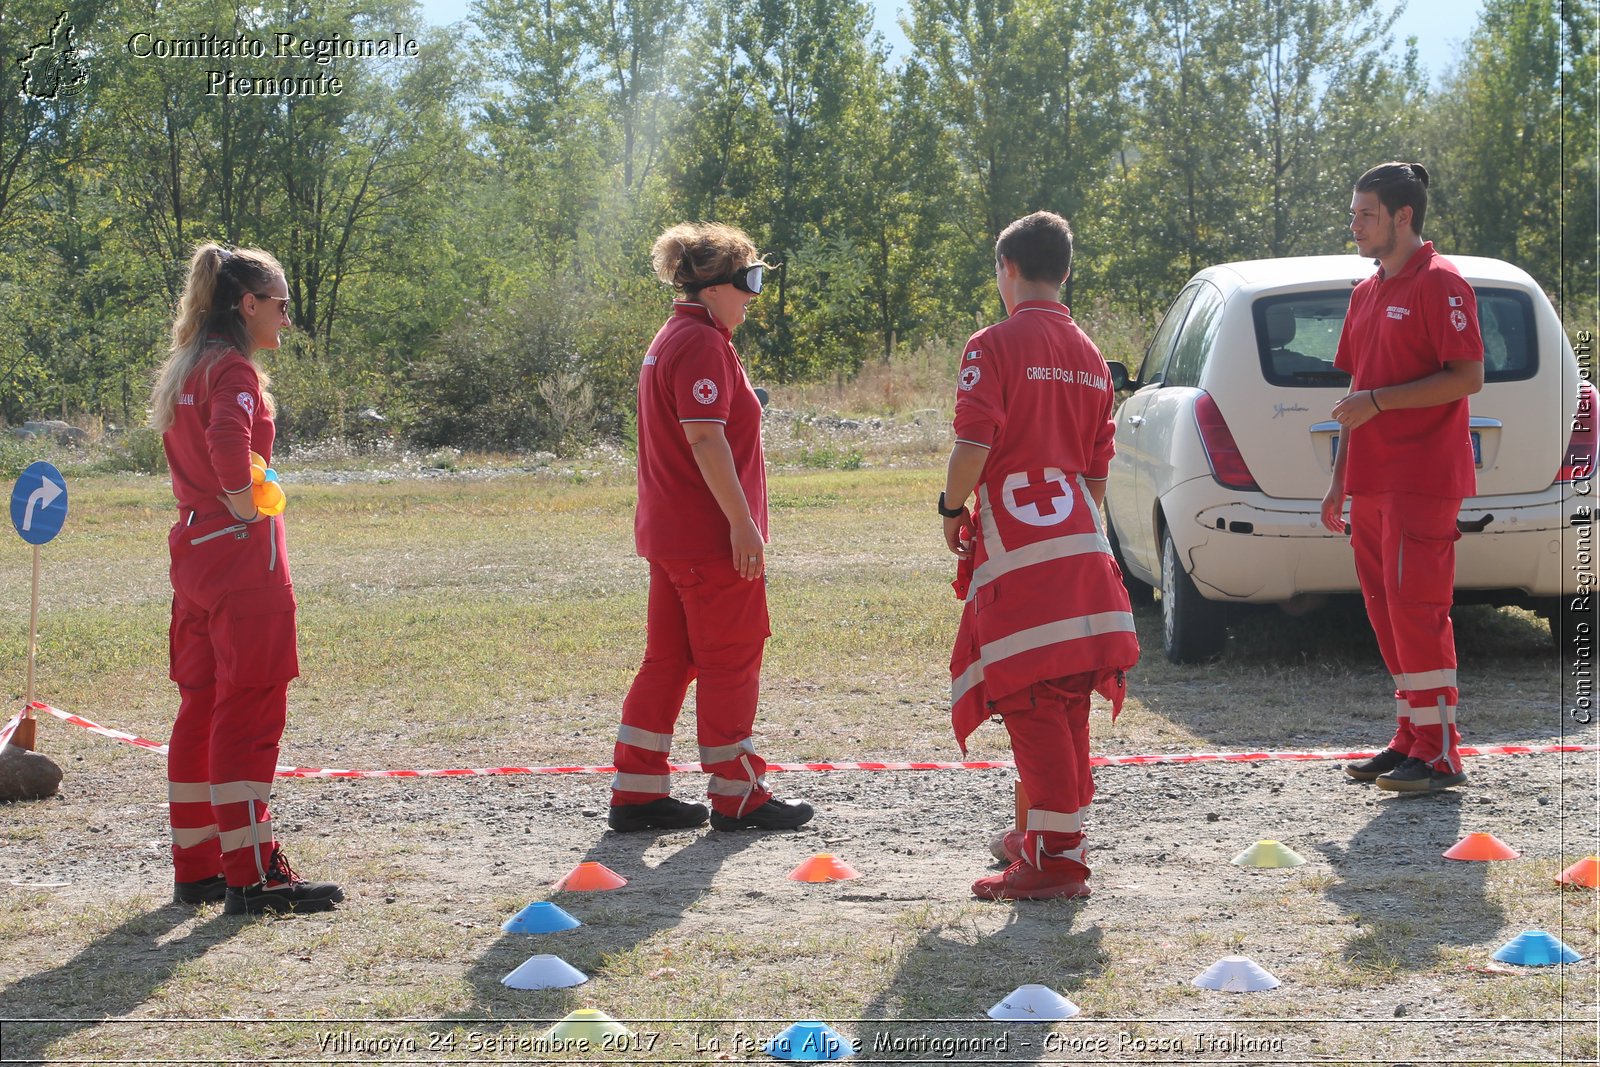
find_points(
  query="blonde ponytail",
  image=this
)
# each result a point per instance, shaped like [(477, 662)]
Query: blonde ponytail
[(207, 322)]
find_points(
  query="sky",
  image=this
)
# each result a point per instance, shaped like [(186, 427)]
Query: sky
[(1440, 26)]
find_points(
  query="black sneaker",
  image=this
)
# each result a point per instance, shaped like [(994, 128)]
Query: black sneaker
[(773, 815), (281, 891), (1368, 770), (1415, 776), (663, 813), (206, 891)]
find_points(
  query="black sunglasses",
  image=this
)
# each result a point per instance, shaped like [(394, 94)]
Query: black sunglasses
[(282, 301)]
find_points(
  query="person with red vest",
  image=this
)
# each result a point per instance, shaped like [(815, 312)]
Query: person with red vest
[(1046, 619), (1413, 349), (702, 525), (232, 634)]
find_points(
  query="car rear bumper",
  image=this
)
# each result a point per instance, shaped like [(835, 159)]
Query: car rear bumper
[(1253, 548)]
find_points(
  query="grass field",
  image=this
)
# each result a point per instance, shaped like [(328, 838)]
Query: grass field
[(486, 621)]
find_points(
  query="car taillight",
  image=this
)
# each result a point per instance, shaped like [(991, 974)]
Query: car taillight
[(1227, 465), (1578, 463)]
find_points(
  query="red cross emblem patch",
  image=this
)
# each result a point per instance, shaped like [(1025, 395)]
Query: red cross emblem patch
[(1038, 497), (969, 378), (705, 391)]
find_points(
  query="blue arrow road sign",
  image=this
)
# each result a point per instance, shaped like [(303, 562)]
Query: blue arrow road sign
[(39, 503)]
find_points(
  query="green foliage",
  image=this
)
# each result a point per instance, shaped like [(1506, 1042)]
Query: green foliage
[(138, 450), (466, 232), (830, 458)]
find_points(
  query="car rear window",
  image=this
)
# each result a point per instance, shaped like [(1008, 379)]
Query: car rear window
[(1298, 334)]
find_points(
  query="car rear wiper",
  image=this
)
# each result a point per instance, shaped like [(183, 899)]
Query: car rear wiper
[(1320, 375)]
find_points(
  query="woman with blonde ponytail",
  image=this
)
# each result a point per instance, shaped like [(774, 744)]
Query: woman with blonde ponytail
[(232, 635)]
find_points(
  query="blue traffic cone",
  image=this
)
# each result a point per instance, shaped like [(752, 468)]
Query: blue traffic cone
[(1535, 948), (810, 1042), (540, 917)]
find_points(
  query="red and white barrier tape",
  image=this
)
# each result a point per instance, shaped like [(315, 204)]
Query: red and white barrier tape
[(683, 768), (11, 727)]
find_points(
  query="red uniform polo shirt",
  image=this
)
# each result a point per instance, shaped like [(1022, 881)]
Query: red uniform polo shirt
[(691, 373), (218, 422), (1398, 330), (1034, 390)]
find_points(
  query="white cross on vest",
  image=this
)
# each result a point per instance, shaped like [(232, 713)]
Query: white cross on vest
[(1038, 497)]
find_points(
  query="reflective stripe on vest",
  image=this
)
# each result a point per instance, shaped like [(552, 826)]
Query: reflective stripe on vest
[(1062, 630), (1037, 553)]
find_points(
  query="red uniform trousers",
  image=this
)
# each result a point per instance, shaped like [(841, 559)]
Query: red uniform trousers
[(1405, 553), (707, 625), (233, 654), (1049, 727)]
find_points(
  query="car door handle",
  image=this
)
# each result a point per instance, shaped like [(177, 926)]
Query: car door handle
[(1135, 420)]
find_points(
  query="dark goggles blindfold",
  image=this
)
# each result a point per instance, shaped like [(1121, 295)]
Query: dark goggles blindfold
[(745, 279)]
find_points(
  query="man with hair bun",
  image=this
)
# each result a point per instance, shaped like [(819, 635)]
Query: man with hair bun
[(702, 524), (1046, 620), (1412, 347)]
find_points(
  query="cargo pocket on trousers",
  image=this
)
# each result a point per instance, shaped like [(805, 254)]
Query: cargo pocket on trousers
[(254, 636), (1427, 569)]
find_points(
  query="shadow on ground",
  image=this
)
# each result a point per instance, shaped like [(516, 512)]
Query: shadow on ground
[(112, 977), (933, 1008), (1409, 900), (656, 898), (1318, 681)]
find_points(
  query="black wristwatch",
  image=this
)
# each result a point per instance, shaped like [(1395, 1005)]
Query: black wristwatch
[(950, 513)]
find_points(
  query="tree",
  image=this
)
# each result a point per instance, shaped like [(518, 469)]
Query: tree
[(1510, 146)]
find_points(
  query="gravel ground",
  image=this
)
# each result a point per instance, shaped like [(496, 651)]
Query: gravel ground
[(1380, 942)]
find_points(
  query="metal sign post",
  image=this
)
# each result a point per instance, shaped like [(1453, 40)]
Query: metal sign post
[(38, 511)]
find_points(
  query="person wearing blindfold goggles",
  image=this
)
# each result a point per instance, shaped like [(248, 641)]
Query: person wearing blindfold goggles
[(702, 524)]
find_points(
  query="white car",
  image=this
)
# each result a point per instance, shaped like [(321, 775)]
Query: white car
[(1226, 446)]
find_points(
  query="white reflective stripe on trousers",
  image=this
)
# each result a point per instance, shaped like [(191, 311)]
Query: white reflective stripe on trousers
[(249, 836), (648, 740), (240, 792), (190, 836), (1054, 822), (188, 792), (1440, 679), (641, 783), (724, 753)]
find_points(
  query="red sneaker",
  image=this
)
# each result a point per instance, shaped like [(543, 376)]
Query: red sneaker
[(1010, 846), (1023, 882)]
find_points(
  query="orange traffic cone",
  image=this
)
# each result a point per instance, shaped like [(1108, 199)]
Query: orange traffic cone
[(824, 867), (590, 876), (1586, 872), (1481, 847)]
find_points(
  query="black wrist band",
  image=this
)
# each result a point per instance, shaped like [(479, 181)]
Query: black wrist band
[(950, 513), (1373, 393)]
